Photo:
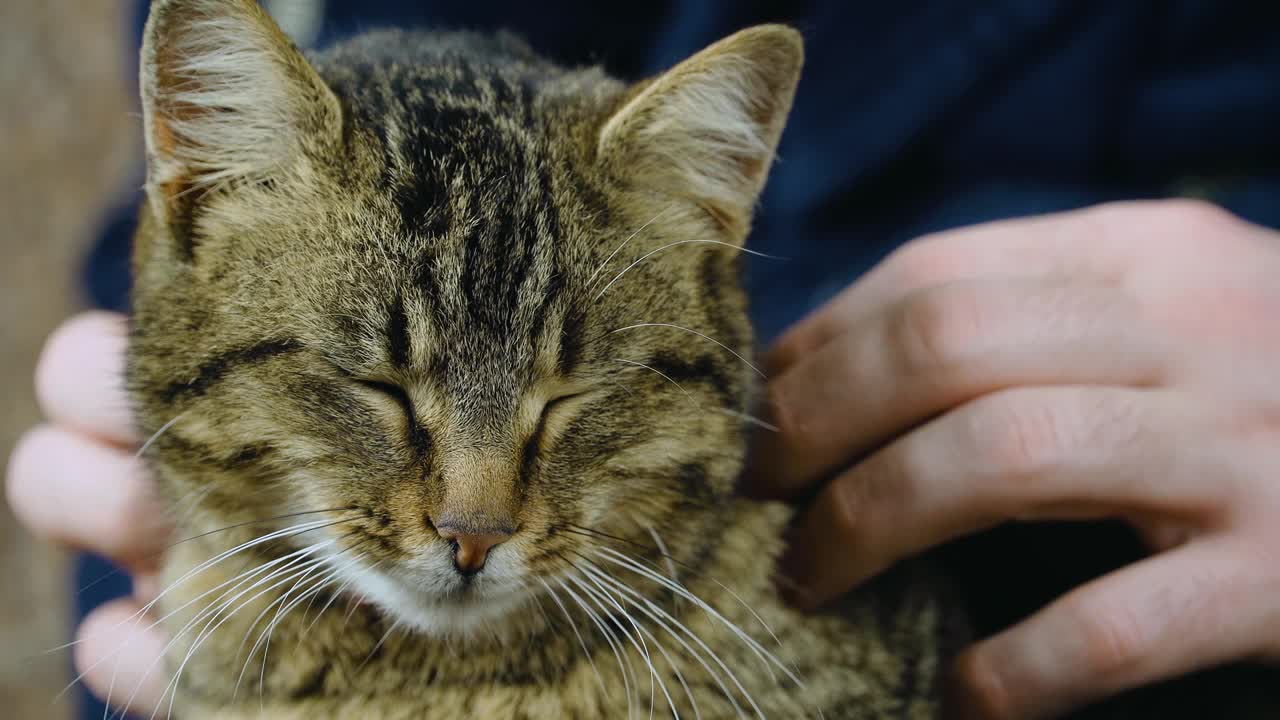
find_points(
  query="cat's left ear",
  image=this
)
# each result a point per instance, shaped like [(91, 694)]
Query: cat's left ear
[(227, 100), (708, 128)]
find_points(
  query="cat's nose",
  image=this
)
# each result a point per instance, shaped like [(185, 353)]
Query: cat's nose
[(470, 547)]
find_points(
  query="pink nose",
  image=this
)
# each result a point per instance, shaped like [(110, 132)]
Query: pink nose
[(471, 549)]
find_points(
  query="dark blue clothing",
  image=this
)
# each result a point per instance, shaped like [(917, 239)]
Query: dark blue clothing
[(917, 116)]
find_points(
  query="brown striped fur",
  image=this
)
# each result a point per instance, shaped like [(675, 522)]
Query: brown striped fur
[(384, 287)]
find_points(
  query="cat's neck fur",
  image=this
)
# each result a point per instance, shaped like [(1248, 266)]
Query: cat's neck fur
[(350, 660)]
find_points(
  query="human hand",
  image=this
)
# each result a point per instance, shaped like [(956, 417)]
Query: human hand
[(77, 481), (1121, 361)]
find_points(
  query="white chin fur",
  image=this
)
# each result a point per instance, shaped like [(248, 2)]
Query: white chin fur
[(416, 602)]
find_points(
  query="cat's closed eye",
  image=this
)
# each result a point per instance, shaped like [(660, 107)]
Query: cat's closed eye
[(558, 402), (391, 390)]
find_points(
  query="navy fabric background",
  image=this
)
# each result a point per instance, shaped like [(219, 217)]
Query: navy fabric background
[(916, 116)]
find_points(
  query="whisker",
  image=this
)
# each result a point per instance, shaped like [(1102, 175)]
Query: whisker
[(657, 615), (590, 532), (286, 532), (280, 602), (262, 521), (653, 252), (662, 552), (695, 332), (137, 616), (624, 243), (661, 374), (641, 647), (156, 435), (766, 658), (113, 573), (749, 418), (213, 623), (377, 645), (607, 635), (653, 673), (587, 653)]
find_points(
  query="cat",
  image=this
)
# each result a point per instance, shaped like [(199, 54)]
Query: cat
[(445, 362)]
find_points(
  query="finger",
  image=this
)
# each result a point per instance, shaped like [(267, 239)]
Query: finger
[(90, 496), (80, 377), (1191, 608), (1060, 245), (116, 652), (1097, 244), (935, 350), (1028, 453)]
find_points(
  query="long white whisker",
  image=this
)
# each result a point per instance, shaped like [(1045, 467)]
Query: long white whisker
[(156, 435), (237, 580), (675, 668), (212, 627), (737, 598), (280, 602), (296, 530), (695, 332), (666, 555), (766, 658), (653, 673), (661, 374), (211, 612), (606, 634), (378, 645), (655, 251), (624, 243), (641, 647), (336, 593), (660, 616), (749, 418), (574, 625)]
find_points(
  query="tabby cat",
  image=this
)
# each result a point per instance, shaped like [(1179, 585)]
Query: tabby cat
[(446, 366)]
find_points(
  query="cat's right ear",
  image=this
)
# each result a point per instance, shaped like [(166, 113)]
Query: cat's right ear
[(707, 129), (228, 102)]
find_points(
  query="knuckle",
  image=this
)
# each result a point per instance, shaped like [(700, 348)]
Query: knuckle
[(937, 329), (845, 499), (1195, 217), (927, 261), (1114, 639), (870, 498), (1021, 437), (1162, 222)]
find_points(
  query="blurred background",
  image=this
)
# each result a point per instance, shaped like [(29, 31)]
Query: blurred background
[(69, 144)]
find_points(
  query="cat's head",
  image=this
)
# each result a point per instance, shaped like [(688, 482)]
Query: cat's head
[(462, 315)]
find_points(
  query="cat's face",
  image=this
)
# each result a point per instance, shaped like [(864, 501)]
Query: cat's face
[(451, 314)]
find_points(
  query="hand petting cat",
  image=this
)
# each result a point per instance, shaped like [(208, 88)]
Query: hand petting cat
[(1119, 361)]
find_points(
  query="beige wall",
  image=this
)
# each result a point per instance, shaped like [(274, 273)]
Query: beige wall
[(67, 140)]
